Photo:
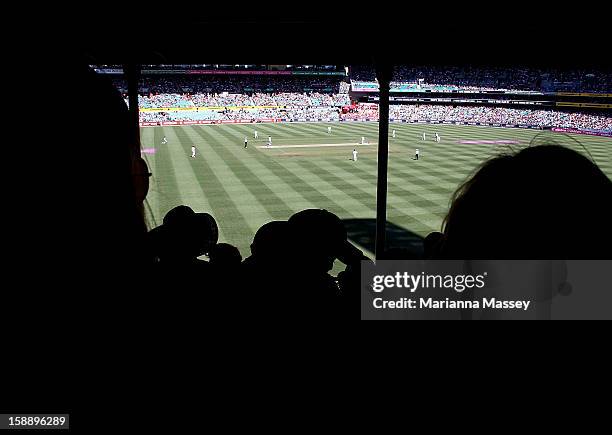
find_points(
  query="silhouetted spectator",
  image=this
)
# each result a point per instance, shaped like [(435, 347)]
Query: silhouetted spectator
[(110, 182), (349, 280), (431, 245), (183, 237), (268, 266), (270, 244), (543, 202), (225, 257), (83, 234), (177, 214), (318, 239)]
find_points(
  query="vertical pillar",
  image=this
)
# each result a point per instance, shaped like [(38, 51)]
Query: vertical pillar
[(132, 75), (383, 74)]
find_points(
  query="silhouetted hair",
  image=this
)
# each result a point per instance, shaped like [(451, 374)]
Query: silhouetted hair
[(271, 239), (177, 215), (431, 244), (544, 201), (318, 235), (100, 187), (184, 235), (224, 255)]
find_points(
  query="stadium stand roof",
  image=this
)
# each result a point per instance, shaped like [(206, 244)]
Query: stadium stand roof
[(351, 34)]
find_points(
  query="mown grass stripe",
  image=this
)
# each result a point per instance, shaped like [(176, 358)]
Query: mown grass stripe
[(229, 218), (151, 201), (165, 182), (419, 192), (232, 178), (274, 204), (191, 191), (300, 184)]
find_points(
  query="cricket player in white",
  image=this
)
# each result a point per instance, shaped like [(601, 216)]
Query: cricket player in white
[(255, 134), (354, 155), (362, 140), (328, 130), (393, 134), (193, 151), (269, 140), (246, 141), (164, 141), (416, 154), (437, 138), (424, 136)]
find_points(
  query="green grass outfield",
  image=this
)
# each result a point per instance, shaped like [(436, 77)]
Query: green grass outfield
[(245, 188)]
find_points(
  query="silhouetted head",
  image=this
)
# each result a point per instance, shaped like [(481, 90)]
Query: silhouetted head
[(110, 180), (544, 201), (225, 255), (184, 235), (271, 240), (432, 243), (318, 238), (178, 214)]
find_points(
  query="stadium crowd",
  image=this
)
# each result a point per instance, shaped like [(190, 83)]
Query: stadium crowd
[(186, 83), (230, 67), (522, 205), (410, 113), (304, 113), (465, 77), (501, 115), (310, 99), (490, 78), (301, 98)]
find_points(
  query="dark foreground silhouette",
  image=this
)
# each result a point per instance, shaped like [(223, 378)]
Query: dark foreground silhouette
[(543, 201)]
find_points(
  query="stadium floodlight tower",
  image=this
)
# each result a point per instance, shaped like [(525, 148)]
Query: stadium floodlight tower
[(384, 71)]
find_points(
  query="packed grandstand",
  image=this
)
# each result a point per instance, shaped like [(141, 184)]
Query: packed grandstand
[(497, 78), (211, 94)]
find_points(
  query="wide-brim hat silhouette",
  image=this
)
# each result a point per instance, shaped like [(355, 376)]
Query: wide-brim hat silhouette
[(319, 229), (184, 233)]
